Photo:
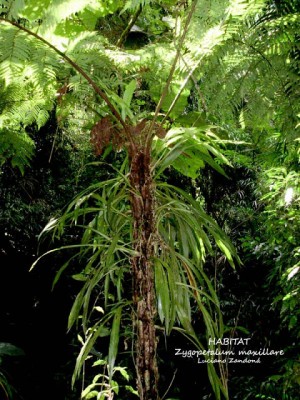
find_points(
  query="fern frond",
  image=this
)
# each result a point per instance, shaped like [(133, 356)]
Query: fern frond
[(17, 147), (26, 95), (25, 109), (235, 75), (67, 17), (88, 51), (14, 54), (135, 4), (59, 10), (11, 8), (243, 9)]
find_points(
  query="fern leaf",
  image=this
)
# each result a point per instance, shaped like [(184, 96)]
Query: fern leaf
[(12, 8), (14, 54), (242, 9), (17, 147), (135, 4)]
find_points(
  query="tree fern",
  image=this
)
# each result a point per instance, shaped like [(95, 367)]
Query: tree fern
[(135, 222)]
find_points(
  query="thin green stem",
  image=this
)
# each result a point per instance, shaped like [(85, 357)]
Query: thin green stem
[(131, 22)]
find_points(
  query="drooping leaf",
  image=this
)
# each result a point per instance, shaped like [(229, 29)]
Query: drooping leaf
[(163, 295), (114, 340), (94, 334), (189, 149)]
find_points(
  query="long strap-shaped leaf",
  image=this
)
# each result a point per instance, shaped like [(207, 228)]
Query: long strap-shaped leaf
[(114, 341)]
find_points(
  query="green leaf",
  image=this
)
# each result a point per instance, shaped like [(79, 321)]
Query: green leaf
[(8, 349), (99, 362), (114, 340), (162, 293), (79, 277), (189, 149), (13, 8), (91, 394), (17, 147), (128, 93), (226, 250), (94, 334), (76, 307), (123, 372), (131, 390), (114, 386), (175, 86)]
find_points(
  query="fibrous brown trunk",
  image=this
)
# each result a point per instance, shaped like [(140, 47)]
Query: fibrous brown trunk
[(142, 204)]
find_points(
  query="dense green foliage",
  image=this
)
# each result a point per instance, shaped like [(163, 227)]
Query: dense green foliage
[(218, 85)]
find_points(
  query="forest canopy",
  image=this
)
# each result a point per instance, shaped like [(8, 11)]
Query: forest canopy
[(156, 146)]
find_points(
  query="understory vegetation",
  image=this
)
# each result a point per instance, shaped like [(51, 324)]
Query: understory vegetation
[(149, 192)]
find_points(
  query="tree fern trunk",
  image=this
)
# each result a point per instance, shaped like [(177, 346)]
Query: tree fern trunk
[(142, 203)]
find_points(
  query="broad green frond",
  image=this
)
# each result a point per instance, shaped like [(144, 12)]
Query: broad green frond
[(28, 71), (214, 22), (14, 54), (236, 75), (25, 104)]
